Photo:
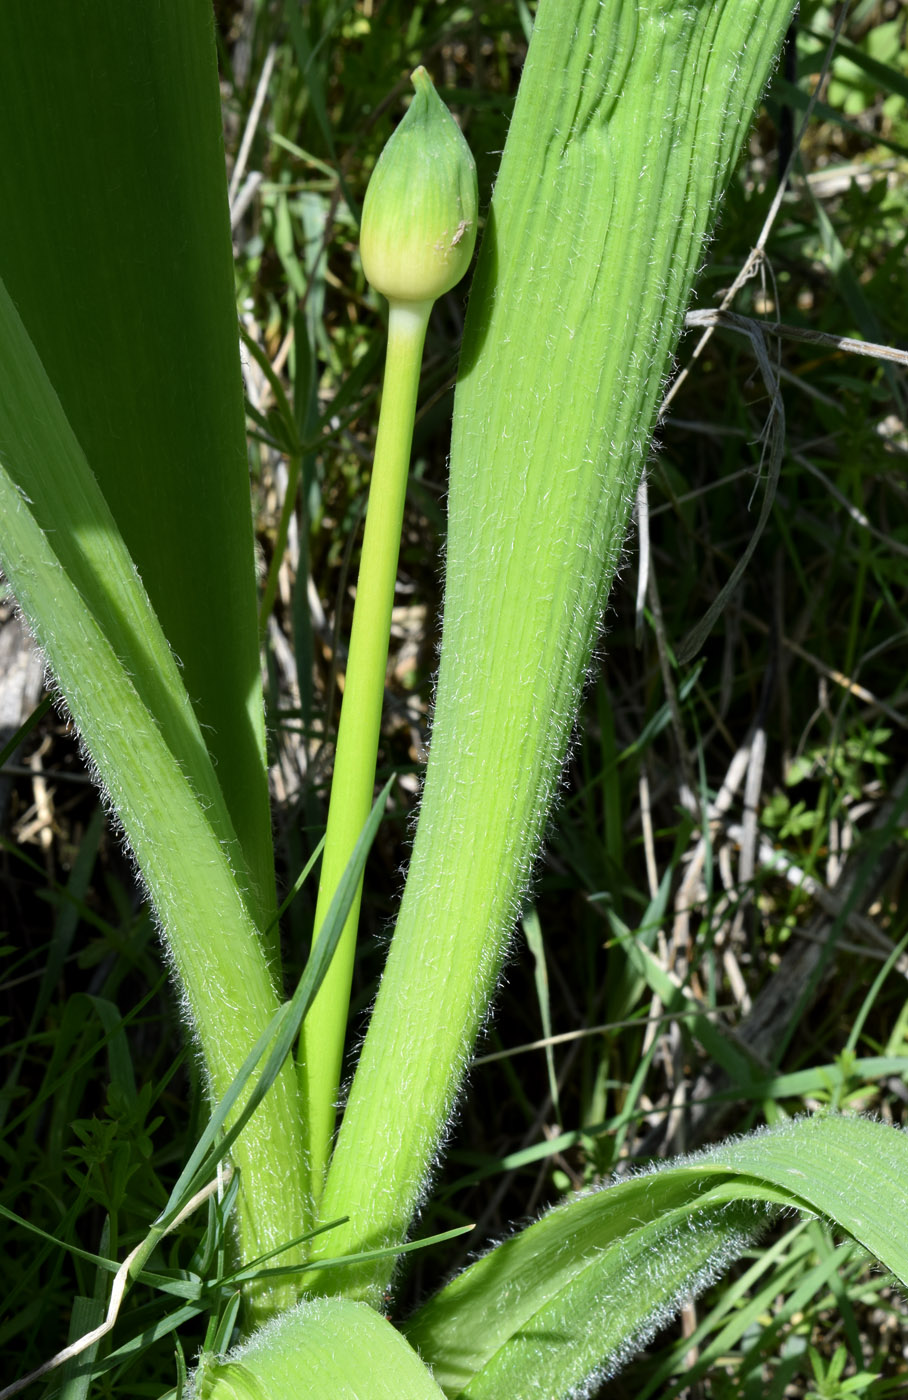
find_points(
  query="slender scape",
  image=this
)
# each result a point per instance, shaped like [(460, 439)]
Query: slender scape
[(360, 720), (418, 234)]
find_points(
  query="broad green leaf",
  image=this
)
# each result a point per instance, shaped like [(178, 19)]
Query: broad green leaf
[(854, 1171), (579, 1291), (326, 1348), (69, 570), (629, 116), (115, 248)]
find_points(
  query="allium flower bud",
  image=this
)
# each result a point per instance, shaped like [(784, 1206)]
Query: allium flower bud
[(419, 217)]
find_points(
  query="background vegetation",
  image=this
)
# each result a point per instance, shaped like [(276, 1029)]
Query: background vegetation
[(778, 915)]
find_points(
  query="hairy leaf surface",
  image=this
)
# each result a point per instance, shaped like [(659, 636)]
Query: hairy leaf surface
[(579, 1291)]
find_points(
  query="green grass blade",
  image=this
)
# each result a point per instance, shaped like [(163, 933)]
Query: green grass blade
[(87, 1314), (115, 247), (532, 930), (8, 749), (885, 75), (578, 1291), (626, 125), (281, 1033)]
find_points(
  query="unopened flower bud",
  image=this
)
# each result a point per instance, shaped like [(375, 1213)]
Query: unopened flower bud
[(419, 216)]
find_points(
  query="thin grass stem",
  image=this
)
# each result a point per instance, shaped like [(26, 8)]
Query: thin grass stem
[(294, 468)]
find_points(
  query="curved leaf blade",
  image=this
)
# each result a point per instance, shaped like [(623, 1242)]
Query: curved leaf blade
[(578, 1292), (115, 247), (78, 588)]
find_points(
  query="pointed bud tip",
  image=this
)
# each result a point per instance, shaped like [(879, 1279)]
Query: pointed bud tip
[(420, 212)]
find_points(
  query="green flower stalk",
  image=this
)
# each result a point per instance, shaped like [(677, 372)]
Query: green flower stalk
[(417, 239)]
